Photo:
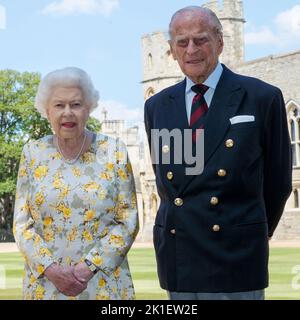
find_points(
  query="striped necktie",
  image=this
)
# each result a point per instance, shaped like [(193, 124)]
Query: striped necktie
[(199, 109)]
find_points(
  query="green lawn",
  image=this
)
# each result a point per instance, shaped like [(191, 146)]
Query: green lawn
[(143, 268)]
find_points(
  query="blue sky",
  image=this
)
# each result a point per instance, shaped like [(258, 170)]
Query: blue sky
[(104, 38)]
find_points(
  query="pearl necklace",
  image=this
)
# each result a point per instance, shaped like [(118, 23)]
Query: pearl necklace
[(71, 161)]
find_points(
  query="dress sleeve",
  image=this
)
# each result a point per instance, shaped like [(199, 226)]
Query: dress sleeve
[(112, 248), (29, 241)]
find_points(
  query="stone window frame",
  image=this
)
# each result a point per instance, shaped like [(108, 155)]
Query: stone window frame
[(293, 115), (296, 198), (150, 61), (149, 93)]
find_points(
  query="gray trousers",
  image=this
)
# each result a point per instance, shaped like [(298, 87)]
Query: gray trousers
[(247, 295)]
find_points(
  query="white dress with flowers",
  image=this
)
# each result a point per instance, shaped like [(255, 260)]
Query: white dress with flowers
[(67, 213)]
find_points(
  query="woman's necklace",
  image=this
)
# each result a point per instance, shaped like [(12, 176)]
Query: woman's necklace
[(71, 161)]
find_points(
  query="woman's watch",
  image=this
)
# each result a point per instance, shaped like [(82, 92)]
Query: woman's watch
[(91, 266)]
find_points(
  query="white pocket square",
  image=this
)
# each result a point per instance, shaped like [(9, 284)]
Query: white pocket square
[(240, 119)]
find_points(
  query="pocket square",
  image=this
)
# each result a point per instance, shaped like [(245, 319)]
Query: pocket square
[(240, 119)]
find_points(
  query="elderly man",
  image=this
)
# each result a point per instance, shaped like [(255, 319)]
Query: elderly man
[(212, 228)]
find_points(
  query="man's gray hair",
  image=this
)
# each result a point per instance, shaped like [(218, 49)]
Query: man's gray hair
[(67, 77), (212, 18)]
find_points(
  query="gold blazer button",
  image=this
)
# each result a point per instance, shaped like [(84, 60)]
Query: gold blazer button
[(178, 202), (170, 175), (216, 228), (229, 143), (214, 201), (222, 173)]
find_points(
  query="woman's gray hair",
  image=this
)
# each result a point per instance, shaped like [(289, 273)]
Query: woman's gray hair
[(67, 77)]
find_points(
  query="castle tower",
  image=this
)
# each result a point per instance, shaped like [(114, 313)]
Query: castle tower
[(160, 70), (231, 15)]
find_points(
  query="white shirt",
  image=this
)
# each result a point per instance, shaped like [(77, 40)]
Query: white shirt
[(211, 82)]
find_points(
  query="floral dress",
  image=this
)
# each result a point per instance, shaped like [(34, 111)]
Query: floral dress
[(66, 213)]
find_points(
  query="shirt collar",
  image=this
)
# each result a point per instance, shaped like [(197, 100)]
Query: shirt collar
[(211, 81)]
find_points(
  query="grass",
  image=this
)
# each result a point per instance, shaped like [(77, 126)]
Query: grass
[(143, 268)]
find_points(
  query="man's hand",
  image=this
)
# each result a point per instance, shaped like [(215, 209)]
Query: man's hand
[(82, 273), (64, 280)]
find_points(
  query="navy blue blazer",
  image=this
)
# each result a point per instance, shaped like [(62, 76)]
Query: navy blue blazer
[(211, 230)]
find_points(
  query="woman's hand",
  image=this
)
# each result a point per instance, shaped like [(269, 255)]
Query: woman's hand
[(64, 280), (82, 273)]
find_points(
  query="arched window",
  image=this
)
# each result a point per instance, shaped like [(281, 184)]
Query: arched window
[(149, 93), (296, 198), (293, 111), (150, 61), (153, 205)]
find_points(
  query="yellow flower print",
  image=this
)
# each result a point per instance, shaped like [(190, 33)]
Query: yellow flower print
[(122, 214), (87, 235), (89, 215), (110, 166), (60, 207), (48, 235), (76, 172), (57, 183), (48, 221), (40, 172), (102, 142), (72, 234), (34, 213), (40, 269), (122, 174), (133, 200), (91, 186), (119, 155), (102, 195), (39, 199), (88, 157), (97, 260), (67, 212), (28, 235), (102, 296), (110, 209), (23, 172), (32, 280), (117, 272), (59, 229), (45, 251), (105, 176), (68, 261), (39, 292), (124, 294), (117, 240), (96, 226), (104, 232), (32, 162), (56, 156), (65, 191), (102, 283)]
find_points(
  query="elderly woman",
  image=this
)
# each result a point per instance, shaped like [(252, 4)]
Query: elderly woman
[(75, 212)]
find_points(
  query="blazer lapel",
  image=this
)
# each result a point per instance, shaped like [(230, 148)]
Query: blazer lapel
[(177, 116), (226, 101)]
